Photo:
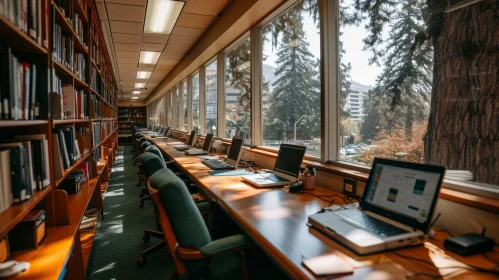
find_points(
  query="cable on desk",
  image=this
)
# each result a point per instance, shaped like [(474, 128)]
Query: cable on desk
[(321, 197)]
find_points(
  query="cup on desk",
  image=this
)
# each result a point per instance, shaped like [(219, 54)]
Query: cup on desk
[(308, 178)]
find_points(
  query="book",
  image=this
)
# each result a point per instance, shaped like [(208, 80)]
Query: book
[(20, 190), (5, 180)]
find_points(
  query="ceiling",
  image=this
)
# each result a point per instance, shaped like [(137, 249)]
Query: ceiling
[(125, 21)]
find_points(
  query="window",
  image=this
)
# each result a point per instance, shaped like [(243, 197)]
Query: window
[(211, 98), (195, 103), (177, 107), (291, 84), (238, 92), (184, 99)]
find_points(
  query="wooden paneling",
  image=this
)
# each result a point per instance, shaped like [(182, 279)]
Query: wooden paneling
[(126, 27), (126, 38), (205, 7), (194, 20), (179, 39), (152, 47), (134, 54), (186, 31), (126, 47), (154, 38), (128, 2), (125, 12)]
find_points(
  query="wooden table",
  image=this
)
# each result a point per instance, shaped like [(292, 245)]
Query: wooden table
[(277, 222)]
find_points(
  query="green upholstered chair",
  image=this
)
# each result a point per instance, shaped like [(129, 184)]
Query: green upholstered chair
[(195, 254)]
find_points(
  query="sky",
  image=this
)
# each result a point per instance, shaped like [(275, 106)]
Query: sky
[(352, 37)]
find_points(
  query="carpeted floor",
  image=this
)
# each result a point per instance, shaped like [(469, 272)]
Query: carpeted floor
[(118, 242)]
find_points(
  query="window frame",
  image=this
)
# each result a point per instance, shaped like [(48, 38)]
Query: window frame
[(204, 104)]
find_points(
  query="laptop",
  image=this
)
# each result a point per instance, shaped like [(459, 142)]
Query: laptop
[(395, 210), (204, 150), (286, 168), (230, 162), (189, 143), (165, 134)]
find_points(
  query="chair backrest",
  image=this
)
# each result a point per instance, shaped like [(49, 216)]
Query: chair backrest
[(184, 217), (150, 163), (144, 145), (155, 150)]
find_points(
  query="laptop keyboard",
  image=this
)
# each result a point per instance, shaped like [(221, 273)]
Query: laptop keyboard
[(215, 164), (371, 224), (276, 178), (181, 148), (196, 152)]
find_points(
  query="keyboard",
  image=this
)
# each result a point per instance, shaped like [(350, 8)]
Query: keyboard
[(371, 224), (216, 164), (181, 148), (196, 152)]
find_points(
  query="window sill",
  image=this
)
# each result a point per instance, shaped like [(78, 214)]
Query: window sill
[(473, 195)]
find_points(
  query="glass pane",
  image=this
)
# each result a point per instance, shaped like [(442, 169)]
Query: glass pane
[(195, 103), (238, 92), (211, 98), (184, 99), (291, 89), (177, 109)]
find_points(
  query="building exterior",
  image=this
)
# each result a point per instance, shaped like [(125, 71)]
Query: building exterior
[(355, 100)]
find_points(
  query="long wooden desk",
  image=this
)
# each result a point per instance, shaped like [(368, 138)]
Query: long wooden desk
[(277, 222)]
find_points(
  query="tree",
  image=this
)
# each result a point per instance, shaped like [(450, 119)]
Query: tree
[(463, 125), (297, 89)]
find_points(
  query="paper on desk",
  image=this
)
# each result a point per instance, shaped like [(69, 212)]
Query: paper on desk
[(175, 143), (208, 157)]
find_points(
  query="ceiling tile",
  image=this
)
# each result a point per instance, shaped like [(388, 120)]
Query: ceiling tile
[(186, 31), (126, 38), (128, 2), (126, 47), (179, 39), (126, 60), (127, 54), (194, 21), (167, 62), (172, 48), (145, 67), (204, 7), (154, 38), (152, 47), (126, 27), (125, 12)]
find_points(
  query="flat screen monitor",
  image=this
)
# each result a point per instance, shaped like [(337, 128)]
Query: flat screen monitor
[(207, 141), (235, 147), (191, 138), (289, 159)]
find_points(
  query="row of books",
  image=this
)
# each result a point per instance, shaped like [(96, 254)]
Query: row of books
[(62, 47), (96, 133), (96, 54), (75, 103), (68, 145), (80, 29), (24, 168), (81, 67), (66, 7), (30, 16), (23, 88), (56, 97), (96, 82)]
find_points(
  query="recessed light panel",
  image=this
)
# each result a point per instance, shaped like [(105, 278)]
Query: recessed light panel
[(136, 92), (162, 15), (139, 85), (143, 74), (147, 57)]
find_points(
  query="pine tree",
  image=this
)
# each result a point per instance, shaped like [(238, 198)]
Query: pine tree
[(297, 90)]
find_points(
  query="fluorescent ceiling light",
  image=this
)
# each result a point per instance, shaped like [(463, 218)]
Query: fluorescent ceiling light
[(136, 92), (143, 74), (139, 85), (162, 15), (135, 97), (149, 57)]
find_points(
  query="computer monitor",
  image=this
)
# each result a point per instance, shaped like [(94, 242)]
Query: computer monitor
[(207, 142), (167, 129), (289, 159), (191, 138), (161, 128), (235, 147)]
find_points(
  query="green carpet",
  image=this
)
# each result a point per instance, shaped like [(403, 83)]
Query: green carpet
[(118, 242)]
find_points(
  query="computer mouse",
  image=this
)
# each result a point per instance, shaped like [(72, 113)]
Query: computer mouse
[(7, 265), (14, 270)]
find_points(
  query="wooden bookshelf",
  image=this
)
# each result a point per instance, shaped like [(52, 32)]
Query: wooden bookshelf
[(65, 251), (128, 116)]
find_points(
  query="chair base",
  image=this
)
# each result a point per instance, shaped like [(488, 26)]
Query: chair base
[(143, 259)]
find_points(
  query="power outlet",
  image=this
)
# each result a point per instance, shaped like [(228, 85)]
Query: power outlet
[(350, 187)]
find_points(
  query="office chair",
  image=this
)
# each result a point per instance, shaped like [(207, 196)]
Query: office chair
[(167, 175), (194, 253)]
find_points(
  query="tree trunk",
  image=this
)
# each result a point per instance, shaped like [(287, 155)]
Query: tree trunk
[(463, 127)]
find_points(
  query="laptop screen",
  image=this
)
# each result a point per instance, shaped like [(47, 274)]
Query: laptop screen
[(289, 159), (405, 192), (207, 141), (235, 147), (191, 138), (166, 131)]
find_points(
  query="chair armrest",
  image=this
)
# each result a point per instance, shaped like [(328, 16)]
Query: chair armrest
[(169, 163), (203, 206), (225, 245)]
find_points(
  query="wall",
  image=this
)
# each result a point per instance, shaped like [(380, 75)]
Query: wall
[(157, 109)]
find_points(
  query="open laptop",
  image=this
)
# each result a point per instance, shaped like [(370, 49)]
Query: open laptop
[(204, 150), (165, 134), (189, 143), (230, 162), (395, 210), (286, 168)]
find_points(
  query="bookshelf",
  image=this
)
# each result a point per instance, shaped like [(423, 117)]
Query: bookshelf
[(62, 46), (128, 116)]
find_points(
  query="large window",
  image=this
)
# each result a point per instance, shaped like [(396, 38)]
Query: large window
[(177, 106), (211, 98), (195, 103), (184, 100), (238, 92), (291, 92)]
